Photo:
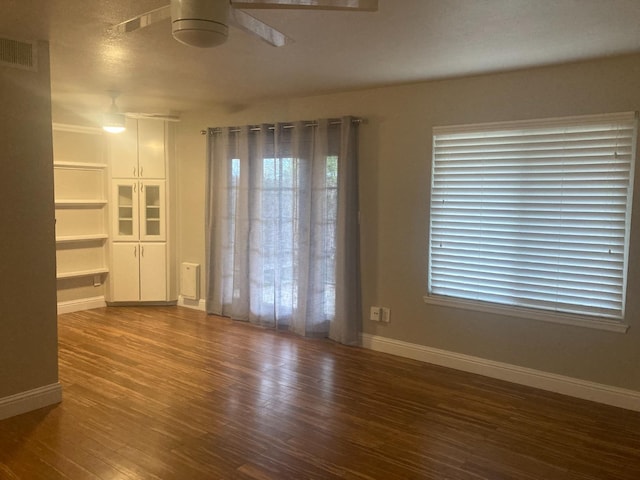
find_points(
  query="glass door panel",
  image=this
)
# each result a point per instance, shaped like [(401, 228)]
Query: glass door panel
[(152, 224), (126, 216)]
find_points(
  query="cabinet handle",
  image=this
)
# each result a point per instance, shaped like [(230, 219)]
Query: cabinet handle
[(141, 187), (141, 170), (135, 251), (142, 250), (135, 188), (134, 171)]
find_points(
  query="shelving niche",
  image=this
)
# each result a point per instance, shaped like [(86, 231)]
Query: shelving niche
[(80, 183)]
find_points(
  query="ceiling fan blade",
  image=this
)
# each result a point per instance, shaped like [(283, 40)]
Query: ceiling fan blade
[(355, 5), (143, 20), (169, 117), (256, 27)]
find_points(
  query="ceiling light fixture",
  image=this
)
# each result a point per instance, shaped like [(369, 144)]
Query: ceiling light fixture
[(113, 121)]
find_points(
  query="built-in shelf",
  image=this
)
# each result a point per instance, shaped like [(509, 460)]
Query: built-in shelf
[(80, 171), (62, 127), (80, 203), (82, 238), (82, 273), (80, 165)]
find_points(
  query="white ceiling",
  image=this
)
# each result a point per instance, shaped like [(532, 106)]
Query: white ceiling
[(406, 41)]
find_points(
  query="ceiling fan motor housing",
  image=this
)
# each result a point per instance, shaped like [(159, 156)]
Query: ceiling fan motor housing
[(200, 23)]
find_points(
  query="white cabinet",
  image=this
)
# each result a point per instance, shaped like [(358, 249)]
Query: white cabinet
[(153, 271), (139, 152), (139, 210), (141, 252), (125, 272), (139, 271), (151, 149)]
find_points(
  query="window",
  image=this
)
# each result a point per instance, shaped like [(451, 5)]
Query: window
[(534, 215), (282, 198), (282, 226)]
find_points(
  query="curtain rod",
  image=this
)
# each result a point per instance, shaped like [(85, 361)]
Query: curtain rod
[(257, 128)]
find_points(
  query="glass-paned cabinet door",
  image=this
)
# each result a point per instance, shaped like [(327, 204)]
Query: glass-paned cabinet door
[(152, 208), (125, 217)]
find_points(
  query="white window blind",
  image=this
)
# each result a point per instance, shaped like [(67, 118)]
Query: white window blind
[(534, 214)]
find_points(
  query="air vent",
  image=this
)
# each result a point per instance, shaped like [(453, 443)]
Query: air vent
[(17, 54)]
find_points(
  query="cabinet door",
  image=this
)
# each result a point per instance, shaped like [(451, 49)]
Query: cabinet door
[(151, 155), (152, 210), (126, 211), (153, 272), (123, 151), (125, 272)]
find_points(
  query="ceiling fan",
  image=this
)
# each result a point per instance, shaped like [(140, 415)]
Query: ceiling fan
[(114, 120), (204, 23)]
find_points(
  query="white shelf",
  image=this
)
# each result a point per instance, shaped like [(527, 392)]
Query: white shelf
[(81, 238), (80, 203), (82, 273), (62, 127), (80, 165)]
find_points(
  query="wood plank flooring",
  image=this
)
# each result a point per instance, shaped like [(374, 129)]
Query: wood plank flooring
[(169, 393)]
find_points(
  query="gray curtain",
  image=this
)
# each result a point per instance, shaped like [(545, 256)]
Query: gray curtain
[(282, 227)]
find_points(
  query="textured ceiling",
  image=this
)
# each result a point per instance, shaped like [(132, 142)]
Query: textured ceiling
[(406, 41)]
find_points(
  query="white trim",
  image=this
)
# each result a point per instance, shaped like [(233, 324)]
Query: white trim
[(537, 122), (195, 304), (81, 304), (529, 313), (30, 400), (596, 392)]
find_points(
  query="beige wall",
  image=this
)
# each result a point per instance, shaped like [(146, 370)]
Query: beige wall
[(28, 328), (395, 151)]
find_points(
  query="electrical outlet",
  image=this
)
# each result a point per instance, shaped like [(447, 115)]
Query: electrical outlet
[(374, 314), (385, 314)]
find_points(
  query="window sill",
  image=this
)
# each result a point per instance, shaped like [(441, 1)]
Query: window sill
[(552, 317)]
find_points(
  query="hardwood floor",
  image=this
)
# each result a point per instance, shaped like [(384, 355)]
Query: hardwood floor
[(169, 393)]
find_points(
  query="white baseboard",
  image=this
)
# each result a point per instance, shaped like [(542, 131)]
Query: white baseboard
[(195, 304), (81, 304), (596, 392), (30, 400)]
